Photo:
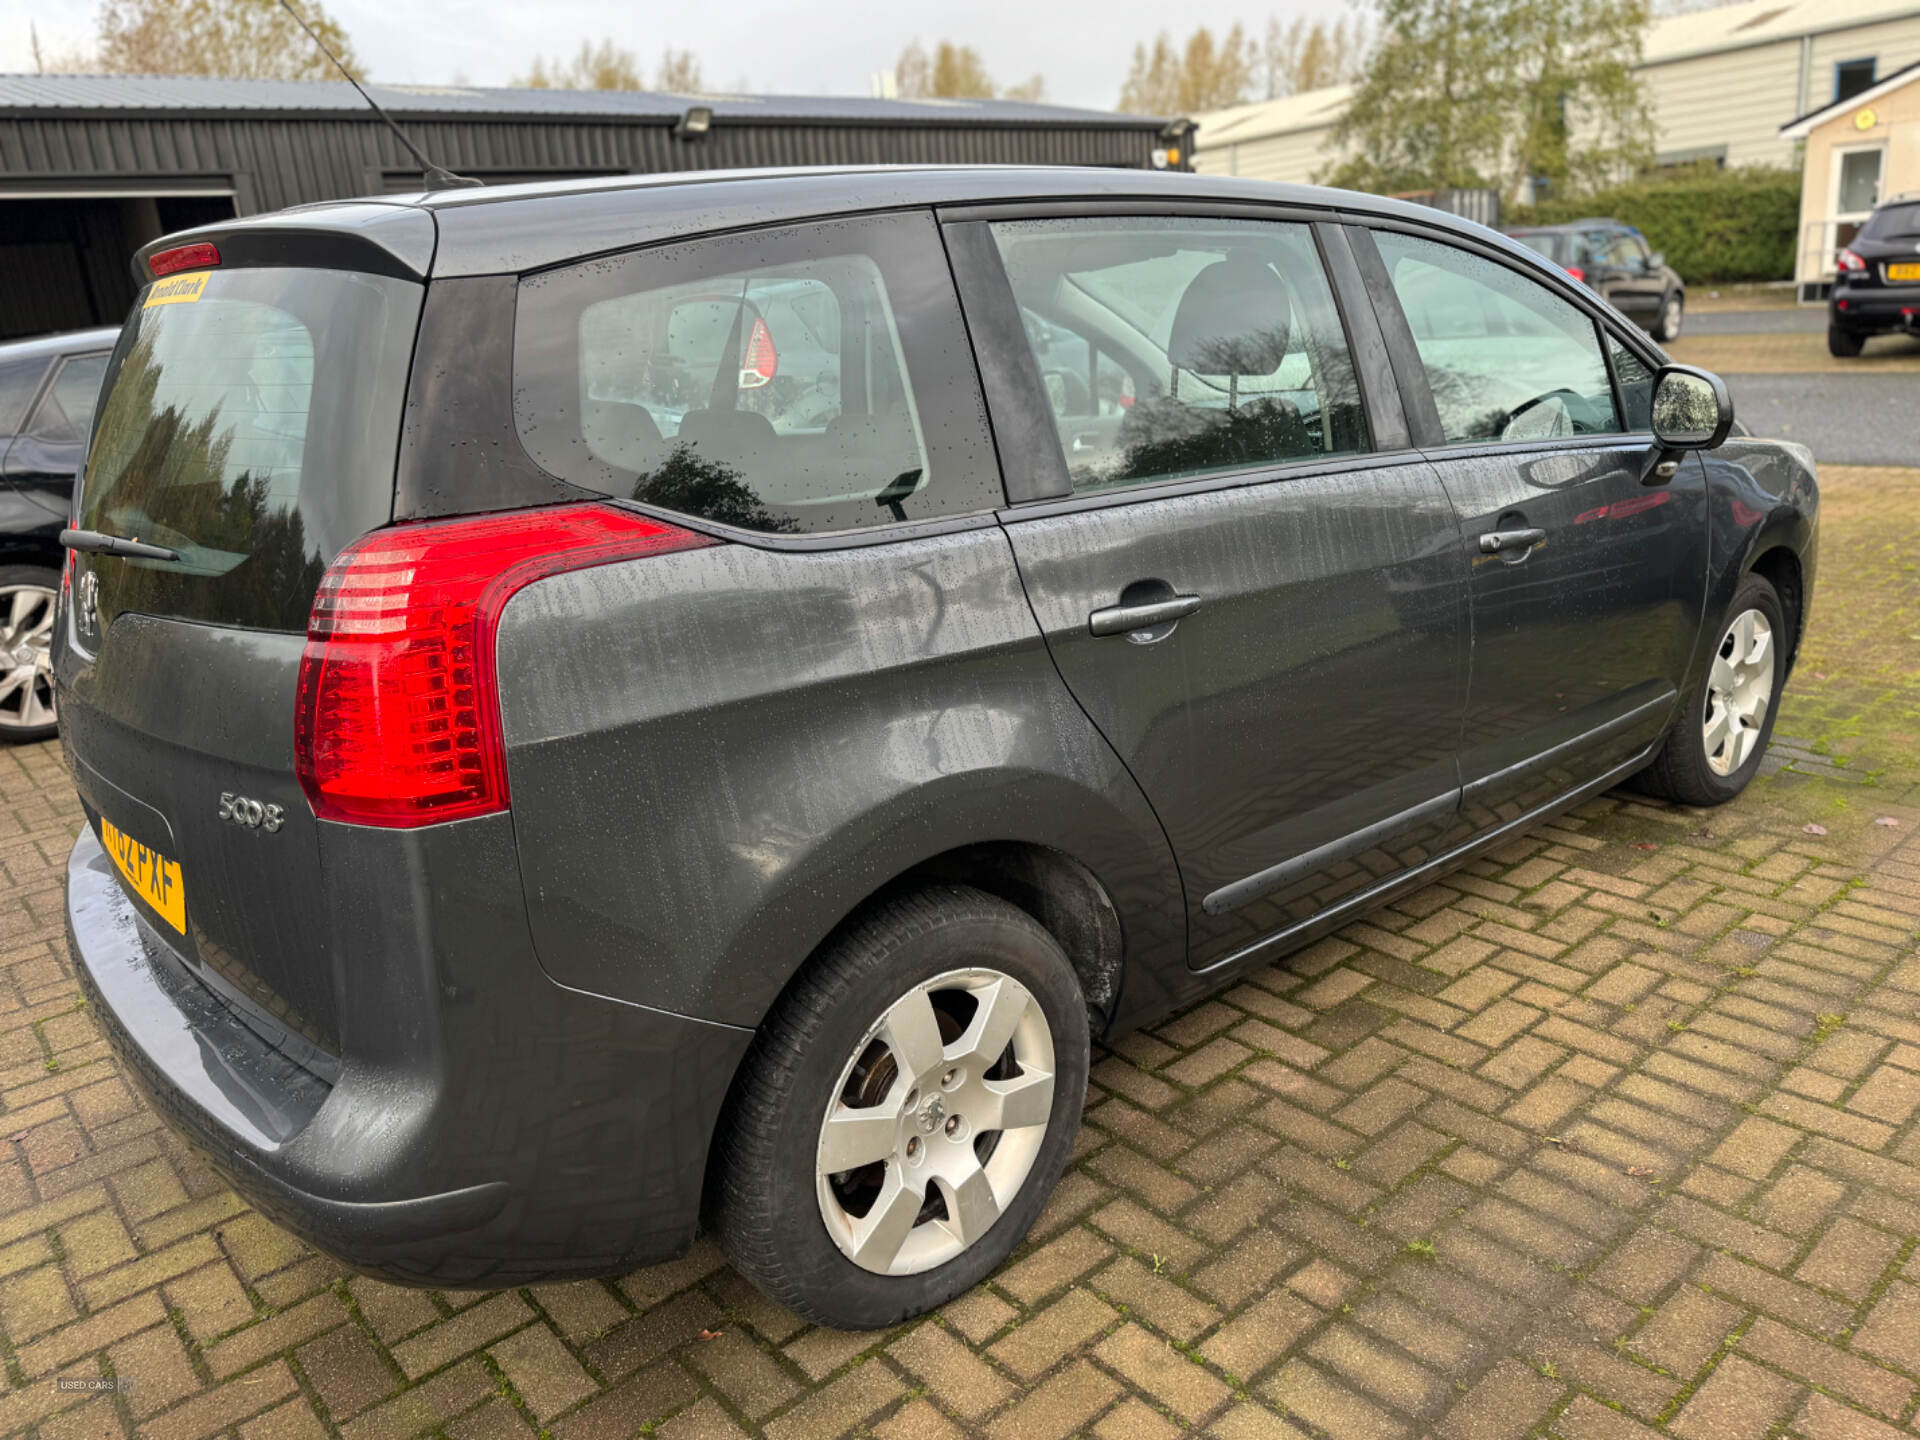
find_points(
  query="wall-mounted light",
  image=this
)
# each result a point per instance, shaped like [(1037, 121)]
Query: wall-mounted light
[(695, 123)]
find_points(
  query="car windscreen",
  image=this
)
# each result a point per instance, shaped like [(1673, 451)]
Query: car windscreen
[(1892, 222), (1552, 244), (249, 422)]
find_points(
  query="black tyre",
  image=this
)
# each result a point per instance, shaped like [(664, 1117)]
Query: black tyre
[(1844, 343), (905, 1111), (1716, 746), (1673, 316), (27, 597)]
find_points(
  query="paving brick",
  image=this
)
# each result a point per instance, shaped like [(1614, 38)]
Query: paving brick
[(1686, 1331), (1151, 1364), (1057, 1407), (1053, 1333), (1892, 1328), (962, 1382)]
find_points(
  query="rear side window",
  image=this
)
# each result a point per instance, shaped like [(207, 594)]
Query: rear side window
[(251, 426), (66, 410), (804, 380), (1506, 357), (1174, 347)]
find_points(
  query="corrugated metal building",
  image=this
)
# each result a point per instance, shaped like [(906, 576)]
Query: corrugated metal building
[(93, 166)]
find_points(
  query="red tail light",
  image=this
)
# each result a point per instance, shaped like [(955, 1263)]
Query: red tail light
[(185, 257), (397, 721), (1849, 261), (761, 362), (1577, 273)]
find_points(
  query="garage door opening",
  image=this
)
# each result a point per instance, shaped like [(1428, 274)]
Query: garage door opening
[(64, 258)]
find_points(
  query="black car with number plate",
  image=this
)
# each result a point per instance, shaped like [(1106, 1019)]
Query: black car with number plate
[(557, 777), (1876, 287)]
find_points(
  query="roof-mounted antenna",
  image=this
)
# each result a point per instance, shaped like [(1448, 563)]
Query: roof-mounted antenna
[(436, 177)]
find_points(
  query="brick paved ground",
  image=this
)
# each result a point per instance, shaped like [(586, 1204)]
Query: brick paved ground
[(1610, 1134)]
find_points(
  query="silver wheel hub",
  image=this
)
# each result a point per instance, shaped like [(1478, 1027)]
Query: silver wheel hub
[(1739, 690), (936, 1122), (26, 657)]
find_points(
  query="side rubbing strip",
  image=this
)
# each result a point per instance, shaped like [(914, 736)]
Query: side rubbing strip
[(1252, 887)]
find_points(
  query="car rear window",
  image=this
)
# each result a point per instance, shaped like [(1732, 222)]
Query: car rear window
[(250, 423), (805, 380), (1891, 220), (1551, 244)]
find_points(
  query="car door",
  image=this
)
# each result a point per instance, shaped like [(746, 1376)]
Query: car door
[(1638, 289), (1587, 567), (1249, 584), (46, 454)]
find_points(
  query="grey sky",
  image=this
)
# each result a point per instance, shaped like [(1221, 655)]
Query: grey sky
[(829, 47)]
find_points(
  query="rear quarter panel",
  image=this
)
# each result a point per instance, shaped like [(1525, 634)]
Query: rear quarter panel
[(1762, 495), (715, 756)]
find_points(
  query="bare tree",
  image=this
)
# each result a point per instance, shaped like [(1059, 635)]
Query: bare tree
[(679, 73), (252, 39), (956, 72), (1306, 55), (58, 62), (1205, 74)]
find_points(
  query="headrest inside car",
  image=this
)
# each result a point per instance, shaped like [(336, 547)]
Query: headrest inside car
[(1234, 319)]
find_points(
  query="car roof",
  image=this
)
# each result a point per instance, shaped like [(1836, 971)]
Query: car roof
[(71, 342), (516, 228), (1569, 227)]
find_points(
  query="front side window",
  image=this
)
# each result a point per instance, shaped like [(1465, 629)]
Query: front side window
[(1636, 385), (1506, 357), (794, 381), (1174, 347)]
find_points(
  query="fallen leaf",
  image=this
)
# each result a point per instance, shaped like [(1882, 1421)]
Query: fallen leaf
[(19, 1135), (709, 1334), (1644, 845), (1638, 1170), (1554, 1140), (1818, 676), (1886, 820), (1813, 829)]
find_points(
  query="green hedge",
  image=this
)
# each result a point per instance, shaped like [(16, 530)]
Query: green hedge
[(1713, 225)]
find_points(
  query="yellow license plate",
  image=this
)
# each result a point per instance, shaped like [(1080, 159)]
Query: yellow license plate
[(155, 879), (1908, 271)]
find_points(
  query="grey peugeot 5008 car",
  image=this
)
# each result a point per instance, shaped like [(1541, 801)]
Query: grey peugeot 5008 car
[(550, 786)]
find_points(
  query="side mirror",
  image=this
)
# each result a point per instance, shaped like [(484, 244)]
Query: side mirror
[(1656, 260), (1691, 411)]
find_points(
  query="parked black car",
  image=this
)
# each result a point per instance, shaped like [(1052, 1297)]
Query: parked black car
[(47, 392), (532, 807), (1613, 259), (1876, 289)]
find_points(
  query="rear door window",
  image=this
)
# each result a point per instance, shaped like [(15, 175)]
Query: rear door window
[(1174, 347), (1507, 358), (803, 380), (252, 428)]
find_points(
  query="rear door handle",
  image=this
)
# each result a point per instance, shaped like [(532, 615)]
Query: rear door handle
[(1119, 619), (1494, 541)]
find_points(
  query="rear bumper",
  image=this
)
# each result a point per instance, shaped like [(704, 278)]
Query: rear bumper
[(1876, 309), (520, 1134)]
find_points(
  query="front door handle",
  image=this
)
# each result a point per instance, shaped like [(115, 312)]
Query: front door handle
[(1494, 541), (1120, 619)]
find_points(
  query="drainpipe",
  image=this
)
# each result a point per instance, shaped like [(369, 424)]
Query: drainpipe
[(1806, 76)]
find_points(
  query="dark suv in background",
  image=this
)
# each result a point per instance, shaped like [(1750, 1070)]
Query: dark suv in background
[(1876, 288), (47, 392), (1613, 259), (549, 784)]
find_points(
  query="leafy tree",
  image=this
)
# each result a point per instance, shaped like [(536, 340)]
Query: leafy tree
[(608, 67), (1205, 74), (252, 39), (1306, 56), (956, 72), (1497, 92)]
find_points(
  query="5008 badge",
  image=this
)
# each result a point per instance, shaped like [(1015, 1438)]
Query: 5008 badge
[(250, 813)]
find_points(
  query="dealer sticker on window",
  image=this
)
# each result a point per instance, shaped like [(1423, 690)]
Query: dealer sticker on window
[(178, 289), (154, 878)]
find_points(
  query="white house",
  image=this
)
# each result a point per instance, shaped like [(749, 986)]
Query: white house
[(1721, 85)]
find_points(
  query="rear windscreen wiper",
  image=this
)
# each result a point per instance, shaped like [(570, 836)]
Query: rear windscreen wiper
[(94, 543)]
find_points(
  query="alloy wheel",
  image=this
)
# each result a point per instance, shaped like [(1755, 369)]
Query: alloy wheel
[(26, 657), (936, 1122), (1739, 689)]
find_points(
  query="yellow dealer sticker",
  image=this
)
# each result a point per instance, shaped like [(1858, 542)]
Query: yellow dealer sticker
[(154, 878), (178, 289)]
